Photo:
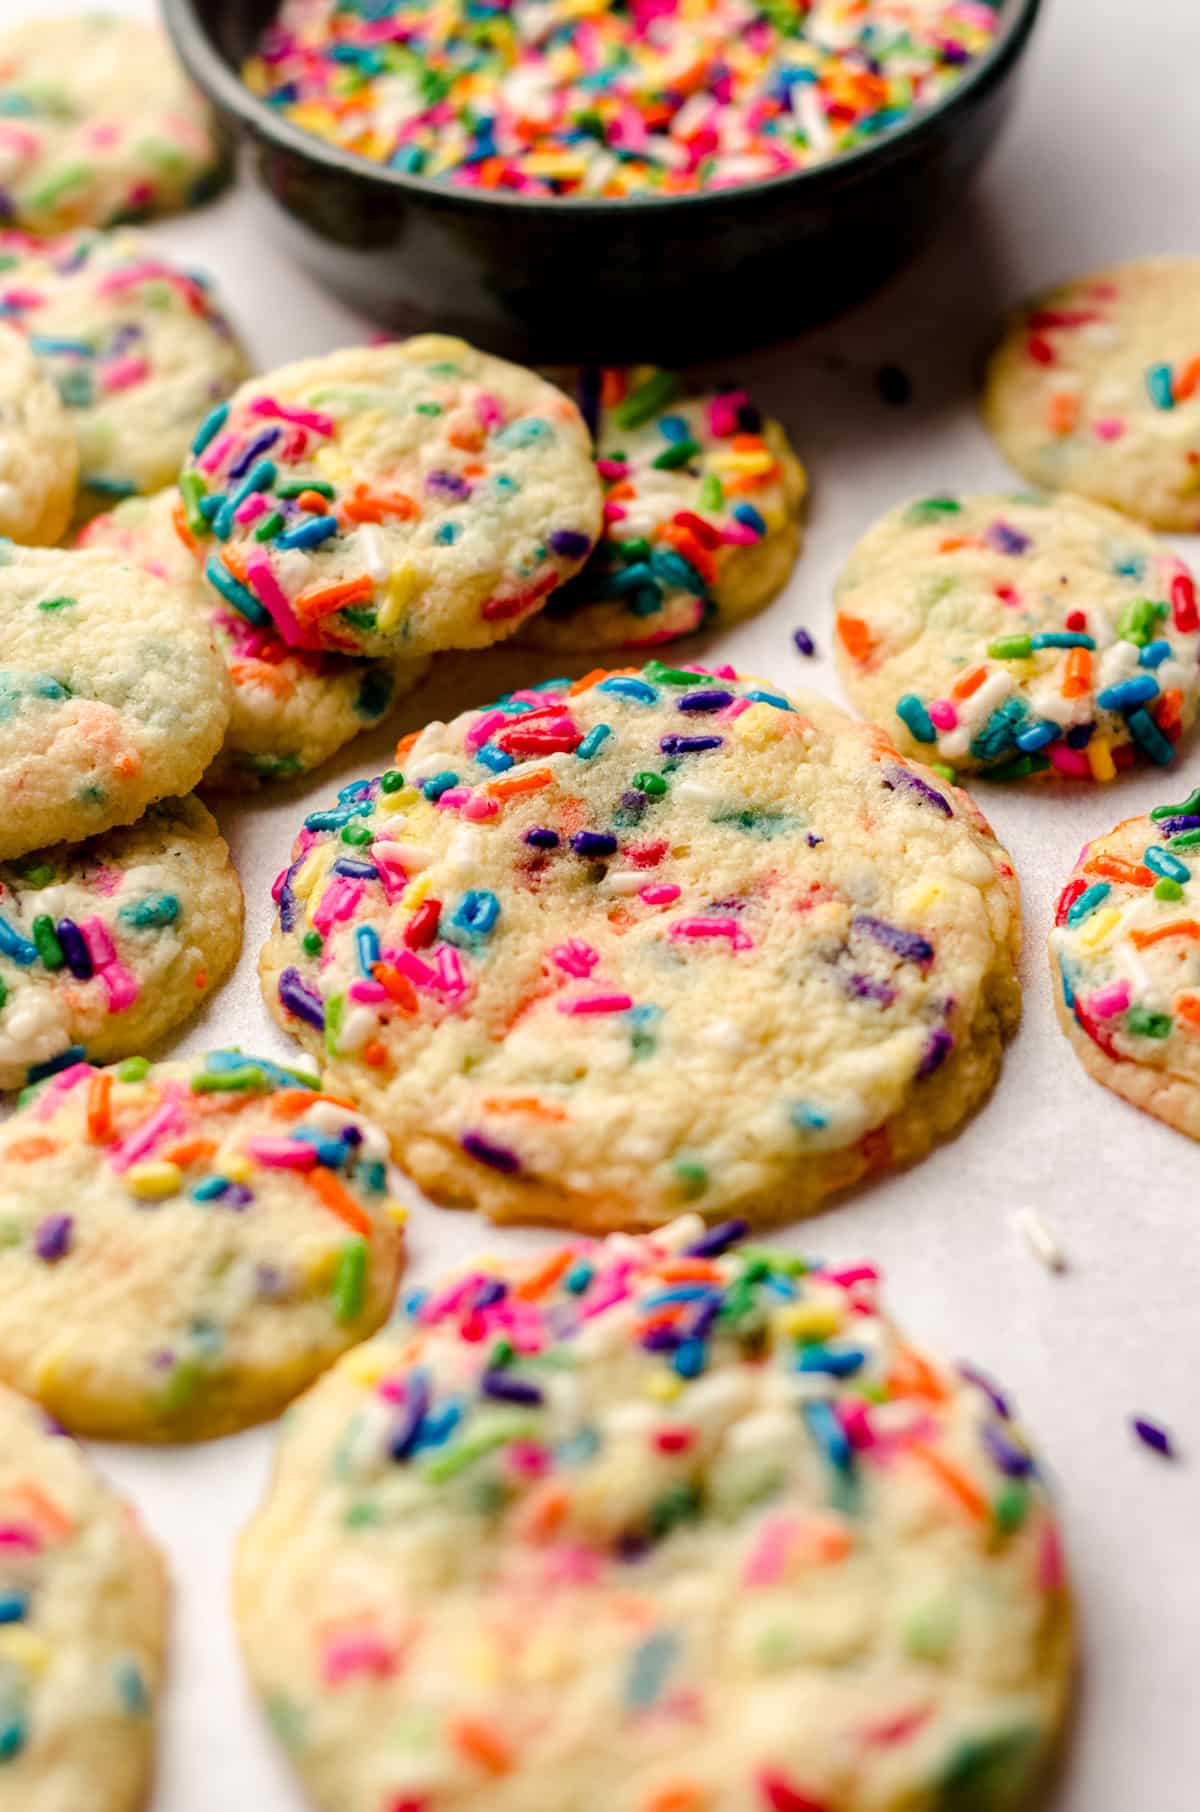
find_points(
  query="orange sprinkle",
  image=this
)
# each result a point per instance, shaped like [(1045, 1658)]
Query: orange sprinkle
[(1168, 709), (99, 1108), (1077, 673), (190, 1151), (596, 675), (366, 505), (261, 673), (181, 528), (296, 1101), (523, 1104), (538, 1282), (397, 986), (335, 597), (337, 1198), (1186, 383), (49, 1514), (1115, 868), (406, 743), (1187, 1006), (969, 683), (693, 550), (525, 783), (1177, 928), (314, 503), (612, 386), (234, 561), (689, 1270), (911, 1375), (24, 1150), (375, 1055), (679, 1796), (856, 638), (127, 763), (962, 1489), (543, 1514), (1062, 412), (466, 438), (482, 1743), (951, 544)]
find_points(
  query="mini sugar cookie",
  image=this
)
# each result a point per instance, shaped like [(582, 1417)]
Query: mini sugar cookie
[(138, 350), (1019, 636), (39, 456), (661, 1526), (98, 124), (106, 945), (291, 708), (1095, 388), (667, 937), (83, 1611), (112, 695), (394, 499), (1125, 951), (187, 1245), (701, 515)]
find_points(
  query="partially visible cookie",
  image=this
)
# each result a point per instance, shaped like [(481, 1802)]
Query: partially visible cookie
[(394, 500), (138, 349), (1016, 636), (106, 945), (1125, 951), (653, 938), (701, 515), (291, 708), (99, 124), (39, 455), (657, 1525), (187, 1245), (112, 695), (83, 1611), (1095, 388)]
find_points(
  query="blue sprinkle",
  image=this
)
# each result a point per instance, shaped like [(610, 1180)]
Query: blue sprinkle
[(748, 516), (495, 759), (915, 718), (1150, 739), (689, 745), (209, 1189), (131, 1689), (355, 870), (1158, 386), (210, 427), (829, 1435), (711, 700), (331, 820), (1037, 736), (17, 948), (625, 686), (1062, 638), (366, 941), (759, 697), (154, 912), (233, 592), (13, 1607), (474, 917), (47, 345), (689, 1359), (594, 843), (541, 838), (803, 642), (1126, 695), (1154, 654), (1089, 899), (674, 428), (438, 784), (593, 742), (1068, 990), (806, 1118), (260, 478), (446, 534), (310, 533), (1164, 863), (37, 1072), (836, 1365), (252, 451)]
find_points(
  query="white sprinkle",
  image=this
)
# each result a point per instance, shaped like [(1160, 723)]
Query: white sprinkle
[(374, 559), (1040, 1240)]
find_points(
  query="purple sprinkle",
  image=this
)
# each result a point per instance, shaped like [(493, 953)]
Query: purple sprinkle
[(287, 900), (661, 1340), (938, 1047), (269, 1282), (541, 838), (705, 701), (689, 745), (494, 1290), (1171, 827), (900, 778), (1012, 1460), (863, 988), (507, 1389), (569, 543), (1154, 1436), (496, 1157), (300, 999), (633, 801), (906, 944), (52, 1240), (237, 1197), (804, 642), (408, 1425), (1006, 540), (718, 1239), (447, 484), (994, 1395), (706, 1314), (252, 451), (812, 840), (75, 950), (594, 843)]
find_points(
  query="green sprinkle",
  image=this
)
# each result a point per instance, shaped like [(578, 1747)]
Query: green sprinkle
[(350, 1282), (1019, 768), (58, 186), (1167, 889), (929, 1632), (249, 1079), (676, 455), (38, 874), (944, 771), (312, 943), (46, 942), (269, 527), (692, 1178), (712, 493), (184, 1382), (429, 408), (1184, 840), (1011, 648), (1138, 620), (192, 488), (392, 781), (635, 550), (335, 1009), (3, 993), (1144, 1023), (449, 1464), (56, 603), (985, 1771), (647, 401), (134, 1069), (1190, 808), (356, 834), (652, 784), (930, 509), (672, 676), (1011, 1507), (292, 487)]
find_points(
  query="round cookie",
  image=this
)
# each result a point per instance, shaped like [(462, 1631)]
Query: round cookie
[(39, 455), (291, 708), (1125, 952), (668, 937), (138, 349), (1016, 636), (112, 695), (656, 1526), (701, 515), (187, 1245), (106, 945), (394, 499), (83, 1597), (1095, 388), (98, 124)]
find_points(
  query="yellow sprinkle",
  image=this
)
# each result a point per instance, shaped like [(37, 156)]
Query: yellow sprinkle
[(809, 1320), (237, 1168), (24, 1649), (664, 1386), (554, 164), (414, 893), (400, 587), (362, 1368), (396, 1212), (917, 899), (307, 877), (397, 802), (153, 1182), (320, 1270), (1099, 754), (1099, 927), (326, 857), (484, 1663)]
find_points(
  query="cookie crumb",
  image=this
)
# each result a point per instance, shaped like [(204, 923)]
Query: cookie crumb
[(1040, 1240)]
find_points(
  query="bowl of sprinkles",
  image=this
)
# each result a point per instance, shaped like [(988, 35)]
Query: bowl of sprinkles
[(577, 175)]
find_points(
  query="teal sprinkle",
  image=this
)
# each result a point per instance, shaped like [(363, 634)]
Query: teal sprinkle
[(806, 1118), (131, 1689), (154, 912), (1162, 862), (915, 717), (1158, 386), (526, 432), (593, 742), (649, 1666), (13, 1736), (1089, 899)]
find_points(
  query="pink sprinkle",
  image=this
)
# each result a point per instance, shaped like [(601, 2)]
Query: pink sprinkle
[(453, 799), (165, 1120), (1110, 427), (1069, 761), (662, 893), (122, 374), (615, 512), (723, 412), (529, 1459), (450, 977), (479, 806), (693, 930), (943, 715), (853, 1274), (612, 469), (900, 1729), (767, 1560), (368, 993), (570, 1563), (856, 1424), (1051, 1573), (597, 1003), (575, 958), (213, 456), (101, 948), (120, 986), (349, 1655), (436, 1308), (338, 902), (282, 1154), (20, 1535), (1106, 1002), (737, 534), (303, 418), (250, 508), (409, 964), (62, 1084), (484, 727), (735, 709), (489, 410), (270, 594)]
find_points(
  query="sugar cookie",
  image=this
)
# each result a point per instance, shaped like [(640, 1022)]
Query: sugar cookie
[(39, 456)]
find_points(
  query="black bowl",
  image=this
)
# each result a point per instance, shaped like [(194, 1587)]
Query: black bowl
[(668, 278)]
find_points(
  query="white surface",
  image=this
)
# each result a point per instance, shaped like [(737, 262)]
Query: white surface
[(1101, 161)]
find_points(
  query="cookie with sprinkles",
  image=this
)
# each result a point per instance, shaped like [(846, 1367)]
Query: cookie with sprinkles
[(138, 349), (106, 945), (112, 695), (99, 124), (1095, 388), (187, 1245), (83, 1612), (657, 1524), (1125, 954), (1018, 636), (39, 455), (701, 515), (649, 938), (395, 499), (291, 708)]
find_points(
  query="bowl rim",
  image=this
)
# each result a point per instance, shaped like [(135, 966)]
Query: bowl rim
[(208, 67)]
